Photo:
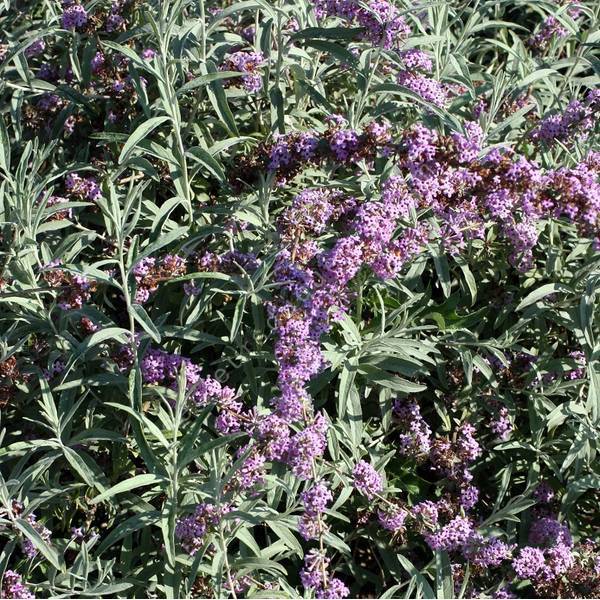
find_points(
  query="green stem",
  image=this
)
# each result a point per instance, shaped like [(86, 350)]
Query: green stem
[(359, 304), (202, 30), (226, 561)]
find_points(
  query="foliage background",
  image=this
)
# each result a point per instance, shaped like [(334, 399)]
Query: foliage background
[(87, 443)]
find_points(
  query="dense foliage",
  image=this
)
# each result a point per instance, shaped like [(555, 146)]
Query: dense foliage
[(298, 298)]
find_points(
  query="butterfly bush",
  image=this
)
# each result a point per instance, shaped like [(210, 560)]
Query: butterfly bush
[(299, 299)]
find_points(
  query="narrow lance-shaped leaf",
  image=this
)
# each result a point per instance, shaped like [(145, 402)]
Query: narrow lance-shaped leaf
[(140, 134)]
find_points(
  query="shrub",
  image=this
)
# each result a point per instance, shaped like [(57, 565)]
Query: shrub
[(299, 299)]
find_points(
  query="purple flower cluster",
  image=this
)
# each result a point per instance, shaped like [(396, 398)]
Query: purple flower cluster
[(544, 494), (192, 531), (486, 552), (573, 124), (160, 367), (97, 63), (77, 294), (298, 354), (501, 426), (149, 272), (83, 188), (415, 440), (435, 179), (247, 63), (551, 554), (311, 211), (468, 448), (542, 566), (315, 500), (452, 536), (74, 290), (548, 532), (551, 29), (232, 261), (425, 87), (530, 563), (375, 222), (504, 592), (273, 434), (252, 470), (367, 480), (28, 547), (12, 586), (579, 372), (55, 368), (316, 281), (427, 513), (383, 25), (574, 194), (441, 523), (286, 155), (347, 146), (148, 53), (50, 103), (469, 495), (409, 244), (464, 189), (416, 60), (114, 20), (35, 49), (315, 576), (74, 15), (290, 149), (444, 529), (393, 518), (415, 75), (343, 261), (306, 446), (453, 460)]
